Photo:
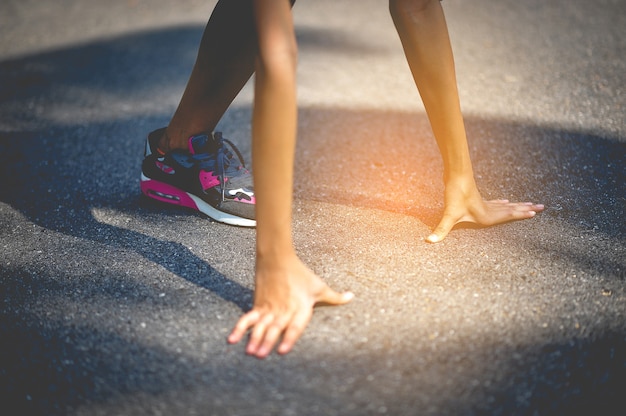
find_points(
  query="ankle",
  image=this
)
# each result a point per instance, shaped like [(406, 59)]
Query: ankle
[(163, 144), (167, 142)]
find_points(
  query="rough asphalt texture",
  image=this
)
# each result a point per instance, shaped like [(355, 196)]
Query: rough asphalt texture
[(113, 305)]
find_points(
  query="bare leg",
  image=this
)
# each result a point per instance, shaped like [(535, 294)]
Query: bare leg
[(423, 31), (224, 64)]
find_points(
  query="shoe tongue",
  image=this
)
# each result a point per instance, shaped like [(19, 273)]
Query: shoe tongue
[(202, 143)]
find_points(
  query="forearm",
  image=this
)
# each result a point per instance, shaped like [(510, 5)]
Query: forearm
[(274, 129), (426, 43)]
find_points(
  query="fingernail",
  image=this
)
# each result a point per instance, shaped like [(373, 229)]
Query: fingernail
[(433, 238)]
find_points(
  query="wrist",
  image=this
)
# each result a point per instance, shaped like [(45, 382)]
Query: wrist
[(274, 251), (458, 175)]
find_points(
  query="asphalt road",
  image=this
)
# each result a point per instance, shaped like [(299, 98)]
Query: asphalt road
[(114, 305)]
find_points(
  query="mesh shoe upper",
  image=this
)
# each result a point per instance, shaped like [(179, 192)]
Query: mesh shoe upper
[(212, 169)]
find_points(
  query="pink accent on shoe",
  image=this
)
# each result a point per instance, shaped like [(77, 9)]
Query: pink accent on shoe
[(167, 193), (190, 146), (208, 180), (165, 168), (244, 200)]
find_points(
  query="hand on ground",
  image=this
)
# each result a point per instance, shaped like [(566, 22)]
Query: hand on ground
[(283, 305), (464, 204)]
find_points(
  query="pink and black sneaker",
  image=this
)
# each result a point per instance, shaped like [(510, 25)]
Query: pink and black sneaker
[(208, 178)]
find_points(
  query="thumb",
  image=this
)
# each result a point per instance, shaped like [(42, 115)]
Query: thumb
[(330, 297), (442, 230)]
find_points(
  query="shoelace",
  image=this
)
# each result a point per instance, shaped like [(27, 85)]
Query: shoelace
[(224, 159)]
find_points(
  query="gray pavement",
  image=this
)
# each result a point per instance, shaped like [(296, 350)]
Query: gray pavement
[(114, 305)]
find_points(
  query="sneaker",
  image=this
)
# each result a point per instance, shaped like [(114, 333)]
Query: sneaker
[(208, 178)]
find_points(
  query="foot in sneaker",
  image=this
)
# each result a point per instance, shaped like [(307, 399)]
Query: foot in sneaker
[(209, 178)]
